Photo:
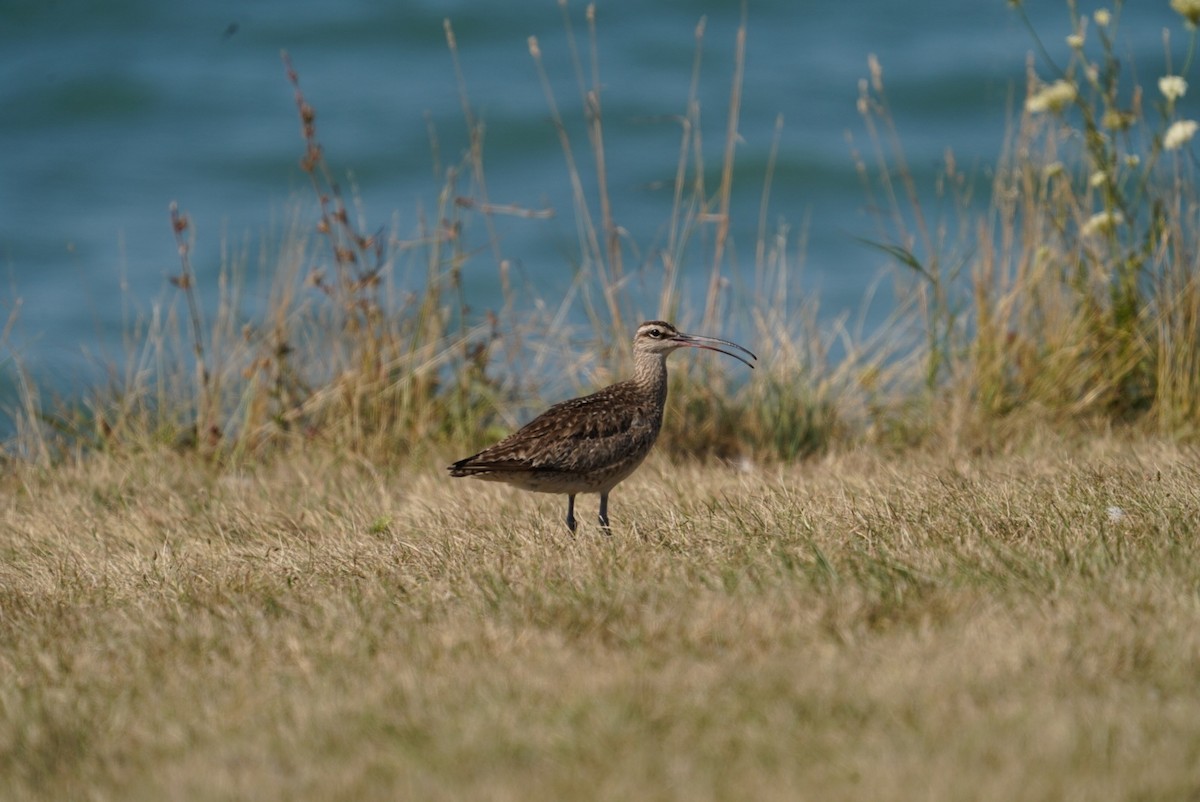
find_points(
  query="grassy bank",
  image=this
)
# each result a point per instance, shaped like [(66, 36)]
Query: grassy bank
[(864, 626)]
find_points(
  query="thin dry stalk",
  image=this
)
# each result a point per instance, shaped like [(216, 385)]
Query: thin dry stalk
[(208, 430), (475, 134), (760, 244), (594, 117), (683, 215), (725, 191), (592, 253)]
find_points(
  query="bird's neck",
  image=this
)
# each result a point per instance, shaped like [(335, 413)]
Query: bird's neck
[(650, 374)]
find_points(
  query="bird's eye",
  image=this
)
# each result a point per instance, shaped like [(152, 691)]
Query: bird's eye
[(655, 333)]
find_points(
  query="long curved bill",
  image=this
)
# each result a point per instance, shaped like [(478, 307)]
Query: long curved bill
[(713, 343)]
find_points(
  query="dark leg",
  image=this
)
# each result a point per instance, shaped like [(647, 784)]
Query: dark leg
[(571, 513), (604, 513)]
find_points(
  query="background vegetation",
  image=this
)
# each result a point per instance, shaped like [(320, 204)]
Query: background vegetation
[(1070, 298)]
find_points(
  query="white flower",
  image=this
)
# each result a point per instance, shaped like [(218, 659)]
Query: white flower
[(1053, 97), (1102, 17), (1117, 120), (1133, 160), (1053, 170), (1097, 178), (1179, 134), (1075, 41), (1172, 87), (1102, 223), (1190, 9)]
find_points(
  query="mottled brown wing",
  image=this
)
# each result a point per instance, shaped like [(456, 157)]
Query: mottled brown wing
[(576, 436)]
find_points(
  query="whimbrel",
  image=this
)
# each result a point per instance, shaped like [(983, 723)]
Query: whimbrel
[(590, 444)]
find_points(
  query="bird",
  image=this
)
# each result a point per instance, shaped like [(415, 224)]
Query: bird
[(592, 443)]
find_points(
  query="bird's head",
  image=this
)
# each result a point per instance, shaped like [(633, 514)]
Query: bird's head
[(661, 338)]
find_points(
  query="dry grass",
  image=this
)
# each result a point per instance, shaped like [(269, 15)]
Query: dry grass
[(862, 626)]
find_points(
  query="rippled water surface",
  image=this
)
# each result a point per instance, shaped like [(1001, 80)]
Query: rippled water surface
[(110, 111)]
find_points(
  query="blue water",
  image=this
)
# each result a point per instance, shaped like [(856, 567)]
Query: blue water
[(110, 111)]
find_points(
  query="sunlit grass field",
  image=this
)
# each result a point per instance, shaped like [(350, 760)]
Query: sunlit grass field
[(956, 561), (865, 626)]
